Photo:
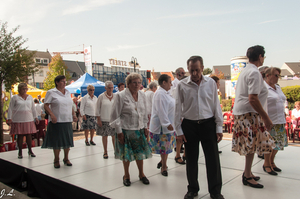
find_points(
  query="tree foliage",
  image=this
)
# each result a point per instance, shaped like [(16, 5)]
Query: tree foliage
[(16, 62), (207, 71), (219, 74), (56, 67), (292, 94)]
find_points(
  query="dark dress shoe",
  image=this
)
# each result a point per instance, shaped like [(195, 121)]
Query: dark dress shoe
[(190, 195), (87, 144), (144, 180), (277, 169), (31, 154), (67, 162), (261, 156), (164, 173), (159, 165), (56, 165), (126, 182), (270, 172), (245, 182), (217, 196), (92, 143), (176, 160)]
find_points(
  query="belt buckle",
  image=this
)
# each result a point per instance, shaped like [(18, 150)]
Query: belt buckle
[(198, 121)]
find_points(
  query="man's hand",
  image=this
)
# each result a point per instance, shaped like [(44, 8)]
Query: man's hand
[(121, 138), (219, 137), (181, 139), (8, 122), (84, 117), (74, 118), (170, 127)]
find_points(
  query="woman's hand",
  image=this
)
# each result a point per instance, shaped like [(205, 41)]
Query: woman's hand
[(121, 138), (268, 123), (146, 132), (74, 118), (53, 119), (84, 117), (36, 121), (170, 127), (8, 122), (99, 122)]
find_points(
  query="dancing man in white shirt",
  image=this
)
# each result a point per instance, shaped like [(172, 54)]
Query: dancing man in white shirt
[(198, 104)]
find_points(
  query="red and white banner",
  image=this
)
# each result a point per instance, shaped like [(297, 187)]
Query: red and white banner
[(88, 60)]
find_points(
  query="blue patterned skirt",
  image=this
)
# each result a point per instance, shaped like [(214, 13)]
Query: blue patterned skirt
[(278, 133), (162, 143), (135, 146)]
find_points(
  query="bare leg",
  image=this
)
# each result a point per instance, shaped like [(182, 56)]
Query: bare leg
[(248, 165), (92, 132), (86, 133), (29, 142), (274, 152), (20, 143), (66, 153), (140, 164), (267, 163), (126, 169), (104, 141), (164, 158), (56, 156), (178, 148), (113, 140)]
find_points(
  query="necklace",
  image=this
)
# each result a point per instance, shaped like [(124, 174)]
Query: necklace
[(108, 96)]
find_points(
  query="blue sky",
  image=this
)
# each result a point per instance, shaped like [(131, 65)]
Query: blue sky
[(160, 34)]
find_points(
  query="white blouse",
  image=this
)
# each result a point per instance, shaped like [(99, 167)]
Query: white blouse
[(61, 105), (163, 112), (88, 105), (149, 97), (296, 113), (20, 110), (276, 101), (104, 106), (249, 82), (38, 109), (127, 113)]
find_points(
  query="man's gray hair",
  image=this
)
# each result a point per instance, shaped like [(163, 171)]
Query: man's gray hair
[(152, 85), (177, 71), (107, 83)]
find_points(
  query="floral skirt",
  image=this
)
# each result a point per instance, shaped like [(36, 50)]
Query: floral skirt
[(105, 130), (278, 133), (250, 135), (89, 123), (135, 146), (23, 128), (162, 143)]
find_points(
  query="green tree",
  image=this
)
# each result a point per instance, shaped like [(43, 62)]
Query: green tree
[(219, 74), (16, 63), (56, 67), (207, 71)]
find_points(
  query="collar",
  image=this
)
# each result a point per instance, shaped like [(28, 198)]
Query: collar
[(189, 80), (270, 87), (163, 90), (56, 90), (90, 96), (252, 66)]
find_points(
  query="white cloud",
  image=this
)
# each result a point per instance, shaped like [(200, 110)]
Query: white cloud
[(126, 47), (88, 5), (270, 21)]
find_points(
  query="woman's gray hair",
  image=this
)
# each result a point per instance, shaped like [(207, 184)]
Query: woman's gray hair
[(107, 83), (152, 85), (131, 77), (90, 87), (21, 85)]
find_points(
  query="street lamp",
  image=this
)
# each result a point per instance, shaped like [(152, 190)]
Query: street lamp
[(134, 62)]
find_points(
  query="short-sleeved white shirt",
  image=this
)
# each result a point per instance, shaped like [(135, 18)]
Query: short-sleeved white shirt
[(295, 113), (276, 101), (149, 97), (249, 82), (61, 105)]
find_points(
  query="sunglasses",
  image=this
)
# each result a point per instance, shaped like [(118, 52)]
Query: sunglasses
[(91, 89)]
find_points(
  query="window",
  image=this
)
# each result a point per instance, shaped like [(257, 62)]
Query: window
[(46, 61), (37, 60)]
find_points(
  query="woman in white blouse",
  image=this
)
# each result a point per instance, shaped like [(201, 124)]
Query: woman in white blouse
[(250, 118), (38, 108), (276, 102), (21, 116), (103, 112), (58, 104), (88, 113), (129, 118), (162, 134)]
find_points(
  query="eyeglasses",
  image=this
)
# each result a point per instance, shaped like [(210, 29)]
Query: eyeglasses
[(91, 89), (277, 75)]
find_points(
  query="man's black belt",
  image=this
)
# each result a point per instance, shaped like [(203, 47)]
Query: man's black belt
[(201, 121)]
